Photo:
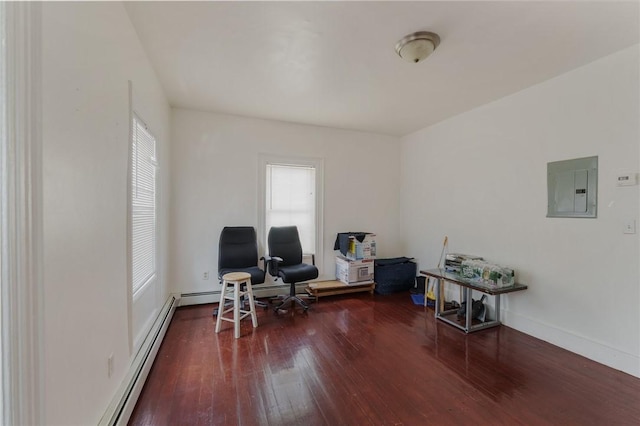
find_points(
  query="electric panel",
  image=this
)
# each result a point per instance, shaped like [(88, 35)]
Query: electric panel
[(572, 188)]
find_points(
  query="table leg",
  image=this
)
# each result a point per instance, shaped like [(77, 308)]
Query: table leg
[(426, 287), (437, 306), (469, 300)]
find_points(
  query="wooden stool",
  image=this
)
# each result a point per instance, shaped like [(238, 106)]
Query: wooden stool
[(236, 279)]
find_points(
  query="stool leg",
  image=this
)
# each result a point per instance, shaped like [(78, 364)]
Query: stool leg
[(252, 305), (221, 306), (236, 309)]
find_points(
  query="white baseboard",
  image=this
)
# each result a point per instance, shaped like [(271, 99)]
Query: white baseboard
[(124, 401), (581, 345), (188, 299)]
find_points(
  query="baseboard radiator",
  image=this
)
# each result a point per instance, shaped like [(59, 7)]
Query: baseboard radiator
[(259, 290), (122, 405)]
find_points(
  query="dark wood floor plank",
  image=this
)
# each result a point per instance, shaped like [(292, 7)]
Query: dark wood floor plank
[(381, 360)]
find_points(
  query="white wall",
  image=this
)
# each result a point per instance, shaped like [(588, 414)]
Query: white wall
[(480, 178), (215, 184), (90, 51)]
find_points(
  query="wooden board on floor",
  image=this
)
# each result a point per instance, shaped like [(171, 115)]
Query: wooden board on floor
[(330, 288)]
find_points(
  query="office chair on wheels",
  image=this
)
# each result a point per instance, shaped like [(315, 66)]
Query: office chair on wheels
[(285, 262), (238, 252)]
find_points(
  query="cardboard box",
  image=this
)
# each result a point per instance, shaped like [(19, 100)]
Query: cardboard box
[(365, 249), (354, 271)]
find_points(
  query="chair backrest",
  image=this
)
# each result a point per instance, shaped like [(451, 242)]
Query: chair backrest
[(284, 242), (238, 247)]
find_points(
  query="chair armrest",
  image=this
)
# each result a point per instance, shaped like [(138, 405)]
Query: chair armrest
[(274, 260), (313, 257)]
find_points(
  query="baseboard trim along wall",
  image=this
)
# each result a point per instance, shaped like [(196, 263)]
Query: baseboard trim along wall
[(261, 290), (596, 351), (581, 345), (124, 401)]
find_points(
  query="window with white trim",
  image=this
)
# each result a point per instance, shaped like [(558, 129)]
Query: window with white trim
[(291, 194), (143, 205), (291, 200)]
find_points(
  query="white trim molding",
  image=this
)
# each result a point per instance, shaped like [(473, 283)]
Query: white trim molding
[(21, 212), (579, 344), (318, 163), (119, 411), (259, 291)]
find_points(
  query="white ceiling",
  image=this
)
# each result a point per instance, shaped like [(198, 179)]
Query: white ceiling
[(334, 64)]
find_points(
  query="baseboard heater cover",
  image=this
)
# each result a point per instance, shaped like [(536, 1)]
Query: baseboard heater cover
[(259, 290), (124, 401)]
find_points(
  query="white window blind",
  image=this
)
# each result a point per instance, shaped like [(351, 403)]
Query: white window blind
[(143, 205), (291, 200)]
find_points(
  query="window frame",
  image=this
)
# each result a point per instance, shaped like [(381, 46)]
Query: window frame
[(137, 290), (21, 215), (315, 162)]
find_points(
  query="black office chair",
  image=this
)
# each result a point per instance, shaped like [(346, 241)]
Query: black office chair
[(285, 262), (238, 252)]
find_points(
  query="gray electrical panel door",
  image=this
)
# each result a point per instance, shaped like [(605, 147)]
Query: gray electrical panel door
[(572, 188)]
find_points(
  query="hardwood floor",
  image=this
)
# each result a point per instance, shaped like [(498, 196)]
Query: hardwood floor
[(379, 360)]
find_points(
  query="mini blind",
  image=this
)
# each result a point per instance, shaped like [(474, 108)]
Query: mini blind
[(291, 200), (143, 205)]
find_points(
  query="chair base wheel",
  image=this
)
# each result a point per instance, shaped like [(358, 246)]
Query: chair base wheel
[(292, 300)]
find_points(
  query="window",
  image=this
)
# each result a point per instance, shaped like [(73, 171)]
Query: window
[(292, 195), (143, 205), (291, 200)]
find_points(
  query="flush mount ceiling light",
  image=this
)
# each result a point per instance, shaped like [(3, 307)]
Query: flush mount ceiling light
[(417, 46)]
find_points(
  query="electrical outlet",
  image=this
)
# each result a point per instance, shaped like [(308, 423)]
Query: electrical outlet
[(205, 275), (630, 227), (110, 365)]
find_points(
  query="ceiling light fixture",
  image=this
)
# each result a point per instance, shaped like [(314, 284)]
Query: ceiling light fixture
[(417, 46)]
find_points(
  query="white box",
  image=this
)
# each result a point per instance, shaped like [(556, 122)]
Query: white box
[(365, 249), (354, 271)]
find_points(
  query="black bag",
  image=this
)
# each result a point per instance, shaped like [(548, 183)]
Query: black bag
[(477, 306), (394, 275), (421, 282)]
